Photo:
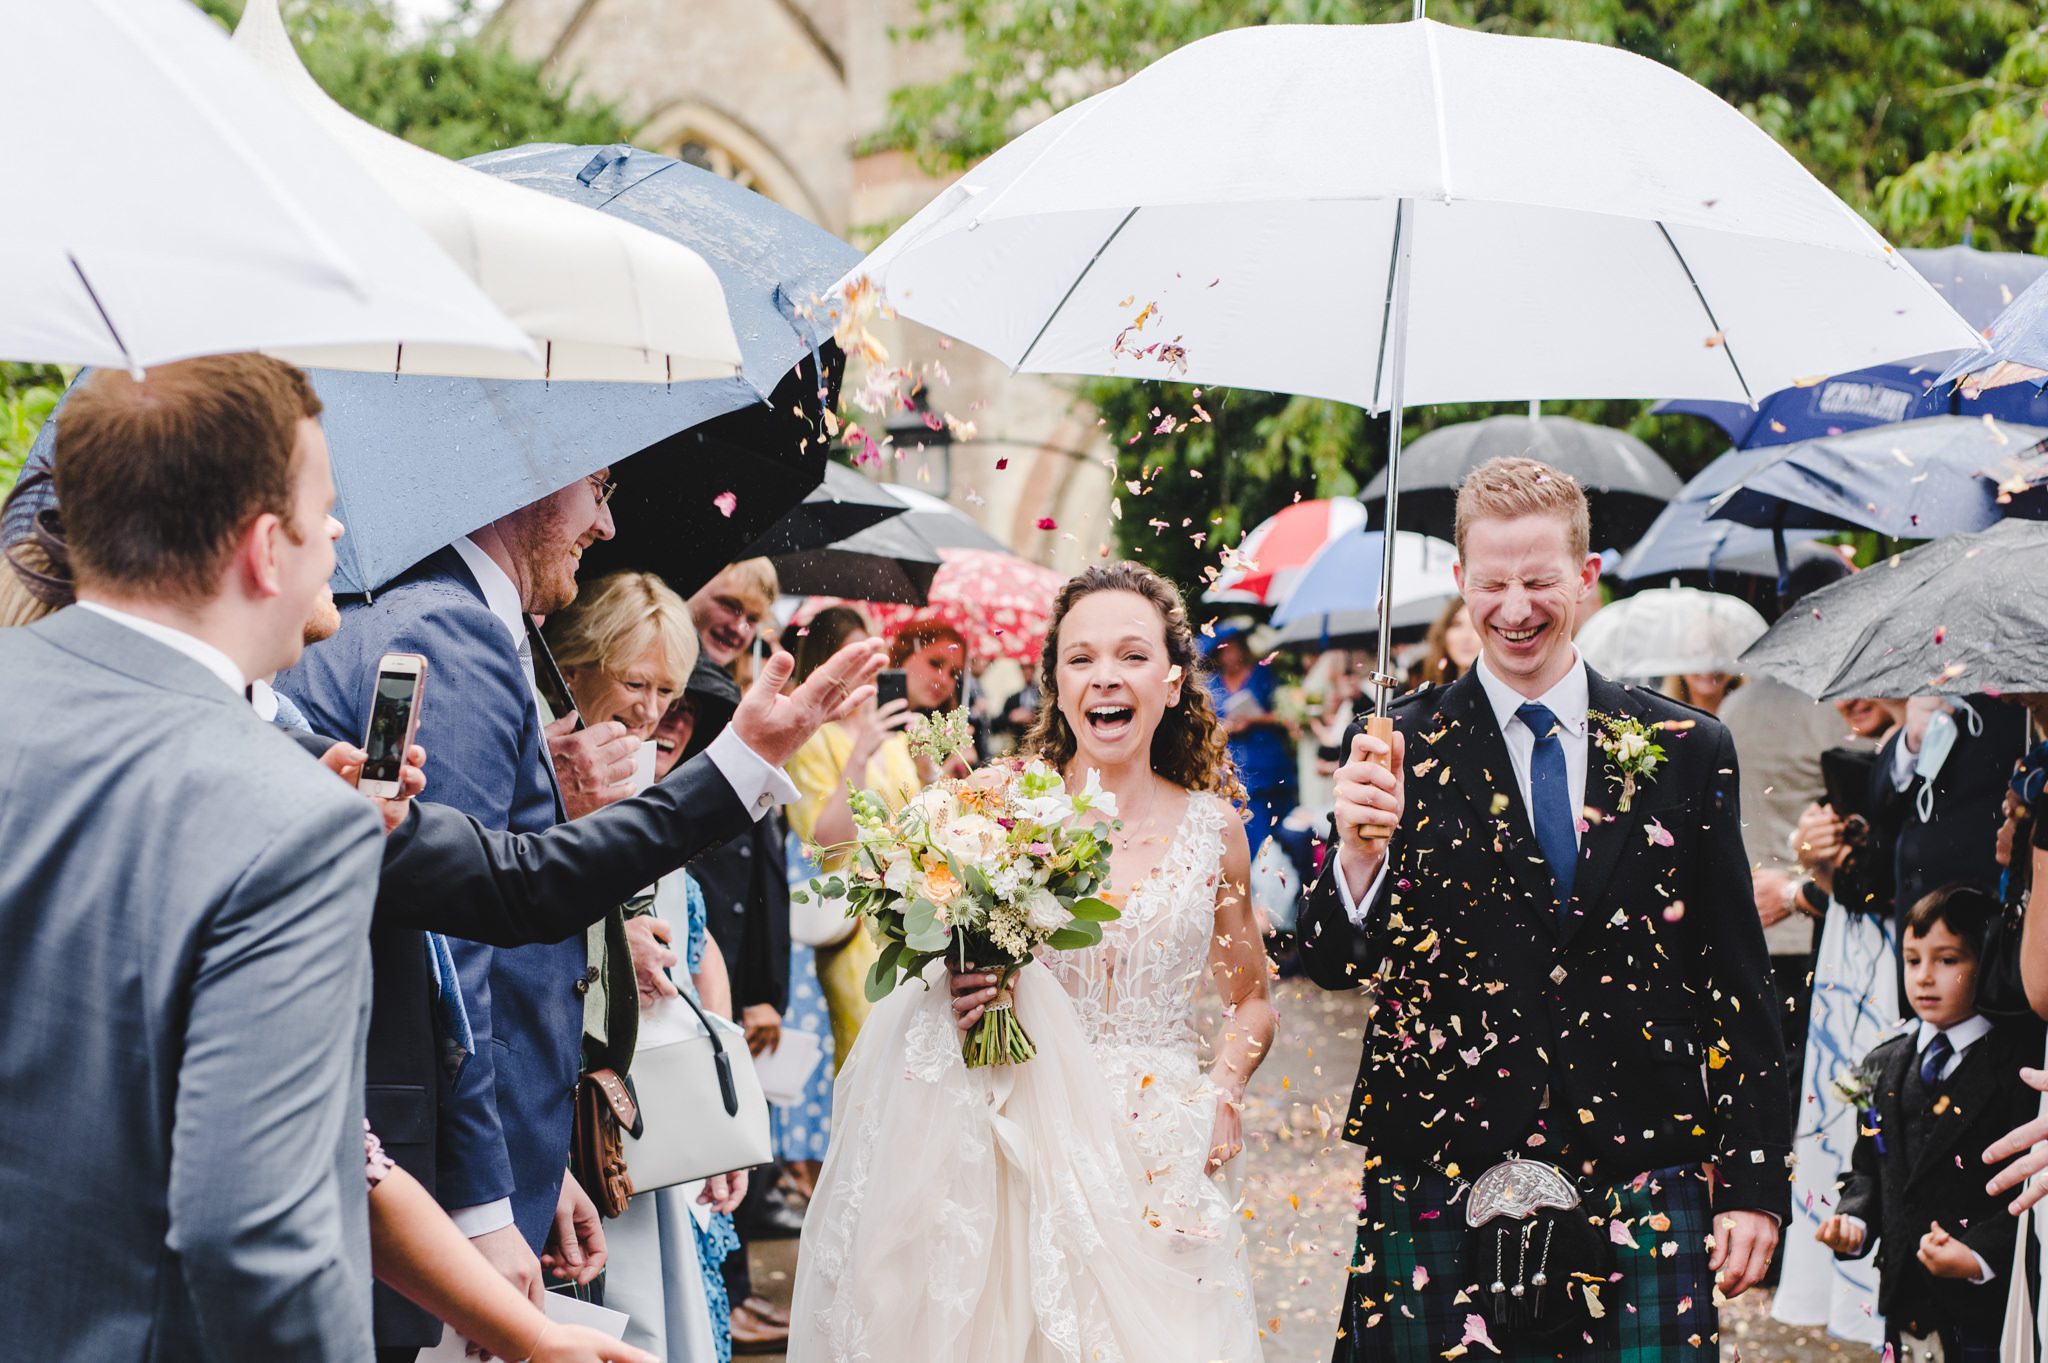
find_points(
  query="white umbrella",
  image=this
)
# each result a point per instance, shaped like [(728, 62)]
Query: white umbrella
[(1668, 631), (602, 298), (167, 200), (1410, 213)]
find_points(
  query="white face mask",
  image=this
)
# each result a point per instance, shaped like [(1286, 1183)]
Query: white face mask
[(1935, 745)]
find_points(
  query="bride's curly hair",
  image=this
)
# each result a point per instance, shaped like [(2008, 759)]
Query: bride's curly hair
[(1188, 748)]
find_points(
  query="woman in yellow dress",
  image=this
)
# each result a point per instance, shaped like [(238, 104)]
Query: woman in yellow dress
[(869, 751)]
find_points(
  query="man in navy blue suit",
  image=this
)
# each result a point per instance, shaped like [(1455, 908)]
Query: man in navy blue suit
[(505, 1121)]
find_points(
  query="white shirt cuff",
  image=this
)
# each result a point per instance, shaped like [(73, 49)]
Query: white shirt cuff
[(760, 786), (1984, 1273), (1904, 765), (1358, 912), (482, 1220)]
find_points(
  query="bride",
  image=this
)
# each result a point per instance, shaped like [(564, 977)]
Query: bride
[(1083, 1205)]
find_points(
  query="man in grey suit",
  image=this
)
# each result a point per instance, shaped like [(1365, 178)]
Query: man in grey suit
[(184, 901)]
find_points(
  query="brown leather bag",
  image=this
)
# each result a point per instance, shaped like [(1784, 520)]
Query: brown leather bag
[(604, 1110)]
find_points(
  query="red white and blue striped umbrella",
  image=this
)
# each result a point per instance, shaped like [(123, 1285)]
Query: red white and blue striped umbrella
[(1263, 569)]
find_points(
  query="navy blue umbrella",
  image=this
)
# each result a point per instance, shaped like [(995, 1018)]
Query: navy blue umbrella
[(1979, 284), (1685, 542), (1916, 480)]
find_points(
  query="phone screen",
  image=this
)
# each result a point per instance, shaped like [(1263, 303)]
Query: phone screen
[(891, 684), (390, 722)]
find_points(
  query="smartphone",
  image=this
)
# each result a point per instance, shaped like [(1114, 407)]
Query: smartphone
[(394, 715), (891, 683)]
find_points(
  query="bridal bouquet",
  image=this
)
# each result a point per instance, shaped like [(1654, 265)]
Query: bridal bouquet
[(981, 869)]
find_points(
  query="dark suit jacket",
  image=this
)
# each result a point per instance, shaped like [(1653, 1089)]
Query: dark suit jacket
[(746, 895), (1959, 842), (503, 1130), (1898, 1198), (1648, 1018)]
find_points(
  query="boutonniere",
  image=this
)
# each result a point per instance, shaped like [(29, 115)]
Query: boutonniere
[(1632, 746), (1852, 1088)]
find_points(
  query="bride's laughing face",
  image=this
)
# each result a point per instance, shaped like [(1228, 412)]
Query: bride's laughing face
[(1114, 677)]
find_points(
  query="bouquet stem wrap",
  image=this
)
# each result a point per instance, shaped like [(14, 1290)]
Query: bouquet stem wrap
[(998, 1036)]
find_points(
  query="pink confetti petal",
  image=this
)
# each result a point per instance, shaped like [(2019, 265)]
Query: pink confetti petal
[(726, 503)]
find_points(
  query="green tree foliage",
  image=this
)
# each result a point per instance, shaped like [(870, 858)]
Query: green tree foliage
[(1859, 92), (446, 89), (1993, 183)]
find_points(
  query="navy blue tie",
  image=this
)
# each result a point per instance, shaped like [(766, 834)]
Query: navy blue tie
[(1550, 801), (1934, 1058)]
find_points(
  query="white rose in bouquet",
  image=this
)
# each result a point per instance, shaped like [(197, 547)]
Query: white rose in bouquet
[(971, 839), (1043, 910)]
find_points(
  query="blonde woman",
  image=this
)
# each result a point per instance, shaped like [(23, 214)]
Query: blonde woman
[(626, 648), (869, 751)]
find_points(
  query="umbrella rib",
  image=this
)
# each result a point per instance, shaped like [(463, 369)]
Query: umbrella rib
[(1708, 308), (101, 308), (1053, 316), (1387, 311)]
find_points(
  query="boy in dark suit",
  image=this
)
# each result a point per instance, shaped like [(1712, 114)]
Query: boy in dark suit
[(1938, 1092)]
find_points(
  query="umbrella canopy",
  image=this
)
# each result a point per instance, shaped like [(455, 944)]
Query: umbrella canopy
[(189, 208), (1669, 631), (1345, 576), (941, 524), (1626, 483), (1273, 554), (1962, 615), (601, 298), (1344, 212), (1915, 480), (1686, 540), (421, 462), (1978, 284), (844, 503), (1000, 603), (1226, 216), (1409, 621), (889, 561), (2019, 347)]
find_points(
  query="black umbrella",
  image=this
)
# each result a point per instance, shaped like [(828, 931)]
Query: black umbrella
[(845, 503), (691, 503), (1961, 615), (886, 562), (1625, 481)]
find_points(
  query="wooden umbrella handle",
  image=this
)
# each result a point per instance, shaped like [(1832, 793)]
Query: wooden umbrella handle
[(1382, 728)]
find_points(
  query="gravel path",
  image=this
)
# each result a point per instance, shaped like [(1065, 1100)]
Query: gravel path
[(1298, 1199)]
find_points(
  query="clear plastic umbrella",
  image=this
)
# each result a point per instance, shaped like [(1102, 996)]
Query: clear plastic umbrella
[(1669, 631)]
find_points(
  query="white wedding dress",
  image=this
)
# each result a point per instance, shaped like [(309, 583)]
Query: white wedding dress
[(1050, 1212)]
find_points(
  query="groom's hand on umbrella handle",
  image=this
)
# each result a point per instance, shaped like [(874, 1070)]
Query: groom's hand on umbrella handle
[(775, 725), (1370, 793)]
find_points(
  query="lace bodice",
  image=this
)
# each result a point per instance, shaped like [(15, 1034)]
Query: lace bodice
[(1138, 988)]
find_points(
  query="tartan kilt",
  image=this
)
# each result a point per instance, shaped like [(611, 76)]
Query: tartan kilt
[(1662, 1307)]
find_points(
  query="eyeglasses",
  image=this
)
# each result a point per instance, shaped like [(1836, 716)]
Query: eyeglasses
[(602, 487)]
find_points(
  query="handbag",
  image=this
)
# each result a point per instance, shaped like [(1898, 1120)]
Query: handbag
[(700, 1104), (1533, 1250), (605, 1114)]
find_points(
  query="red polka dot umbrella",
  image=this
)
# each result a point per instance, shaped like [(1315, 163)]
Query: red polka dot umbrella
[(1002, 604)]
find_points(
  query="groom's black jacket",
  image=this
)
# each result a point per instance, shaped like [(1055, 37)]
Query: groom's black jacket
[(1648, 1018)]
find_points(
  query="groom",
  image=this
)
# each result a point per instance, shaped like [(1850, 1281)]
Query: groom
[(1561, 973)]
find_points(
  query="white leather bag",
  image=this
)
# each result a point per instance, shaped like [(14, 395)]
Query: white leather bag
[(819, 922), (701, 1107)]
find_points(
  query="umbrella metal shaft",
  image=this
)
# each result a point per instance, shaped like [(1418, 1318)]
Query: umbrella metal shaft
[(1397, 334)]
